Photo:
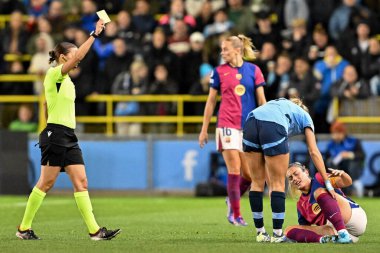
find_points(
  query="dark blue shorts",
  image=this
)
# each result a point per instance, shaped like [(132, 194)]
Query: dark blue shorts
[(265, 137)]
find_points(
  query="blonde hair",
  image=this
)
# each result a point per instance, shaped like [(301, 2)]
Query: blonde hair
[(293, 192), (300, 103), (246, 45)]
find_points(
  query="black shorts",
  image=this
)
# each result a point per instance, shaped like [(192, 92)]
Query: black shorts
[(265, 137), (59, 147)]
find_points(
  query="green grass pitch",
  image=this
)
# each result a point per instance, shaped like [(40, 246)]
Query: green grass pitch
[(160, 224)]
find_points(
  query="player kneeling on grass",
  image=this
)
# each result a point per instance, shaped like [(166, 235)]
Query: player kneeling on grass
[(339, 220)]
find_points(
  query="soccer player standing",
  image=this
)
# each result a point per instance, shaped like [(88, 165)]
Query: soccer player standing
[(265, 141), (240, 84), (59, 145)]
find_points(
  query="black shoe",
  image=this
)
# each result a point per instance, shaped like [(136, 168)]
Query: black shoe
[(104, 234), (27, 235)]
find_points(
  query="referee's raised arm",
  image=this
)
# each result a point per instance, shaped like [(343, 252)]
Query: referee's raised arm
[(83, 49)]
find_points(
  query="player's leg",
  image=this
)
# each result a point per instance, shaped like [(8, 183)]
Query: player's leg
[(233, 163), (245, 178), (277, 166), (337, 211), (46, 181), (309, 234), (255, 161), (77, 174)]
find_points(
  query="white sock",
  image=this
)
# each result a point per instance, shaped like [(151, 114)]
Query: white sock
[(260, 230), (277, 231)]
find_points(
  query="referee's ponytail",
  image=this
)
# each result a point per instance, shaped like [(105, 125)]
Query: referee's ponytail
[(61, 48)]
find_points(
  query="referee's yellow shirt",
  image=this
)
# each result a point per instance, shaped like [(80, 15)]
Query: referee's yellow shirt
[(60, 97)]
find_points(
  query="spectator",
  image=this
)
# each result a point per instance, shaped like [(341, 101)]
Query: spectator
[(162, 85), (24, 122), (204, 17), (340, 18), (321, 11), (44, 27), (374, 66), (14, 37), (346, 153), (295, 10), (179, 43), (56, 16), (120, 60), (194, 58), (278, 78), (127, 31), (267, 58), (177, 12), (298, 41), (131, 82), (220, 25), (36, 8), (317, 47), (327, 71), (39, 63), (142, 19), (350, 86), (302, 83), (358, 52), (89, 17), (241, 16), (158, 53), (264, 31), (195, 7)]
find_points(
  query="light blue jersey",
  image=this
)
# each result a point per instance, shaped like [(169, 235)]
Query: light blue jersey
[(286, 113)]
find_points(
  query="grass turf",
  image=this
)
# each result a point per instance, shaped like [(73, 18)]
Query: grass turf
[(159, 224)]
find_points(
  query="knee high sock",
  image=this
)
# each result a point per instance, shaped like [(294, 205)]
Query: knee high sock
[(233, 191), (277, 202), (303, 235), (85, 208), (330, 209), (244, 185), (34, 202), (256, 202)]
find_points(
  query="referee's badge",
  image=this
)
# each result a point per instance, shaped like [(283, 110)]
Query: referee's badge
[(239, 90), (239, 76)]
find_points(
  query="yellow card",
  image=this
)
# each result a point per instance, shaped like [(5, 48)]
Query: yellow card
[(104, 16)]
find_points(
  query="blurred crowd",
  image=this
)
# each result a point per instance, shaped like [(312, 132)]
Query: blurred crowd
[(315, 49)]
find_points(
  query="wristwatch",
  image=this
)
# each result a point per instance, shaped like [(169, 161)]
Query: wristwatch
[(93, 34)]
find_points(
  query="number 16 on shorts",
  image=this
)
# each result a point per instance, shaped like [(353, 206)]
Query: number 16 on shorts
[(229, 138)]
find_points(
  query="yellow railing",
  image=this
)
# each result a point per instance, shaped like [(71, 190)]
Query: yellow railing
[(20, 78), (353, 119), (17, 57), (109, 119), (5, 19)]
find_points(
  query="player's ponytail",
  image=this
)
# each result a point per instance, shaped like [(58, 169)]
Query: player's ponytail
[(248, 50), (61, 48), (300, 103)]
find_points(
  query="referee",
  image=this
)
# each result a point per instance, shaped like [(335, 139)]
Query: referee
[(59, 145)]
